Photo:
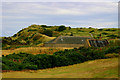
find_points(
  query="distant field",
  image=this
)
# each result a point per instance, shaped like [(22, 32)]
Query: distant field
[(96, 32), (103, 68), (34, 50)]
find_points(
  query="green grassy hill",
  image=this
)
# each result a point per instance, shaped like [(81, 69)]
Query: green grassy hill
[(36, 35), (102, 68)]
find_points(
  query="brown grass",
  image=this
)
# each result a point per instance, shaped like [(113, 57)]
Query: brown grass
[(34, 50)]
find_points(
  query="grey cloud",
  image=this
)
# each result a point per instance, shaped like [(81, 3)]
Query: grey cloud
[(20, 15), (61, 1)]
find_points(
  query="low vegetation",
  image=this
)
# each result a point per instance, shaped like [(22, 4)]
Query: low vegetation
[(102, 68), (34, 50), (67, 57)]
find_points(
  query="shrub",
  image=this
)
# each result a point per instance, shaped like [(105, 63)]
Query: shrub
[(91, 31), (61, 28), (20, 30), (61, 61), (112, 55), (108, 30), (41, 60), (36, 37), (81, 31), (5, 67), (55, 34), (43, 26), (33, 26), (69, 27), (115, 49), (10, 65), (71, 34), (71, 56), (112, 36), (113, 30), (48, 33), (20, 55), (29, 66), (74, 58), (60, 58), (14, 35), (90, 28), (104, 33), (58, 53), (98, 55), (32, 30), (100, 29)]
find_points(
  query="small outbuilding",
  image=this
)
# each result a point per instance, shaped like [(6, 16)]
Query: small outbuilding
[(96, 43), (67, 41)]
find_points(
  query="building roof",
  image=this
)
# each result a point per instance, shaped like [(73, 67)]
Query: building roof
[(69, 40), (98, 43)]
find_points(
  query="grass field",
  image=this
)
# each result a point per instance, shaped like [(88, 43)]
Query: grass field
[(85, 32), (103, 68), (34, 50)]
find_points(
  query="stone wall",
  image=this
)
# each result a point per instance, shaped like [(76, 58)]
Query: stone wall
[(62, 45)]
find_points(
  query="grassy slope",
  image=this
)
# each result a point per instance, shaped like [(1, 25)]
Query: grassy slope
[(85, 32), (34, 50), (33, 35), (104, 68)]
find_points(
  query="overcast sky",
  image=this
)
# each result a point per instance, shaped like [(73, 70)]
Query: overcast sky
[(18, 15)]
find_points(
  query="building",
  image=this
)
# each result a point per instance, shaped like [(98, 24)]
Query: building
[(96, 43), (67, 41)]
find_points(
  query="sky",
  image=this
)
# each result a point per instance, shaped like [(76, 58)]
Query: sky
[(18, 15)]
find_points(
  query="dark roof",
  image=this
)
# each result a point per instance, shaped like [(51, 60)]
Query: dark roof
[(69, 40), (98, 43)]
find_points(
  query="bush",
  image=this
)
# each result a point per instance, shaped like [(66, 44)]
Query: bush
[(112, 36), (112, 55), (100, 29), (108, 30), (48, 33), (91, 31), (61, 61), (43, 61), (104, 33), (5, 67), (37, 37), (69, 27), (60, 58), (115, 49), (61, 28), (98, 55), (20, 55), (29, 66), (74, 58), (90, 28), (44, 26), (58, 53), (81, 31), (71, 56), (14, 35), (71, 34), (10, 65), (32, 30)]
